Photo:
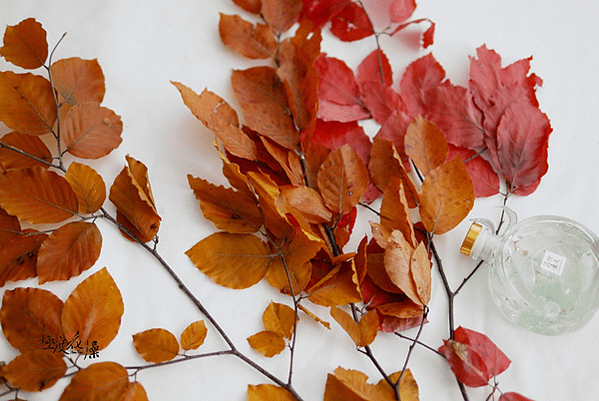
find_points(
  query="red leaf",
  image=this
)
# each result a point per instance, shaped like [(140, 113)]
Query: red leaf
[(421, 76), (334, 135), (351, 24), (511, 396), (401, 10), (375, 68)]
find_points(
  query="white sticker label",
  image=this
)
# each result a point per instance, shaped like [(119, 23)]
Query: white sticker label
[(553, 263)]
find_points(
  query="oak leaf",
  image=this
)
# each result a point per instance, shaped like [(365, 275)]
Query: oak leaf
[(194, 335), (279, 318), (268, 392), (267, 343), (29, 315), (156, 345), (362, 332), (425, 144), (94, 310), (88, 186), (18, 255), (35, 370), (78, 81), (249, 40), (25, 44), (31, 145)]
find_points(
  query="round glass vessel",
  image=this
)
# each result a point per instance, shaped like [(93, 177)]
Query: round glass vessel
[(544, 272)]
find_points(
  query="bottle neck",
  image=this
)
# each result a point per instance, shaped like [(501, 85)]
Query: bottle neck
[(485, 244)]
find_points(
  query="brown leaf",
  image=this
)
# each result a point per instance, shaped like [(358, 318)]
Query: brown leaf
[(18, 256), (268, 392), (135, 392), (25, 44), (35, 370), (339, 287), (363, 332), (251, 6), (218, 116), (91, 131), (156, 345), (280, 319), (251, 41), (342, 180), (352, 385), (27, 103), (268, 193), (10, 228), (29, 315), (88, 186), (395, 212), (307, 202), (313, 316), (31, 145), (281, 15), (37, 195), (263, 99), (446, 197), (100, 381), (420, 268), (267, 343), (228, 209), (398, 256), (194, 335), (78, 81), (425, 144), (94, 309), (408, 389), (231, 260), (69, 251), (289, 161)]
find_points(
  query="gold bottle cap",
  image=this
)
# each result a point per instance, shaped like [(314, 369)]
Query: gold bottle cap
[(470, 239)]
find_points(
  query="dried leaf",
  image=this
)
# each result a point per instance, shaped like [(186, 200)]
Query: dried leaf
[(395, 212), (91, 131), (340, 286), (446, 197), (251, 41), (88, 186), (25, 44), (279, 318), (251, 6), (78, 81), (352, 23), (398, 257), (94, 310), (425, 144), (512, 396), (306, 202), (281, 15), (420, 269), (231, 260), (419, 78), (37, 195), (363, 332), (29, 315), (156, 345), (401, 10), (267, 343), (194, 335), (18, 256), (268, 392), (68, 251), (484, 179), (316, 318), (31, 145), (27, 103), (275, 219), (35, 370)]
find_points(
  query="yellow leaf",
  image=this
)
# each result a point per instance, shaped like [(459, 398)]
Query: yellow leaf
[(280, 319), (25, 44), (35, 370), (156, 345), (94, 310), (352, 385), (268, 392), (194, 335), (88, 186), (425, 144), (363, 332), (267, 343), (231, 260)]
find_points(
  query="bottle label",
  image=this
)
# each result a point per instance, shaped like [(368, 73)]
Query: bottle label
[(553, 263)]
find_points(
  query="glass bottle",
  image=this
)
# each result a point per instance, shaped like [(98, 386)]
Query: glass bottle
[(544, 272)]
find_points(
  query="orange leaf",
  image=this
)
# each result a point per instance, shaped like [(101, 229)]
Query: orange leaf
[(425, 144), (289, 161), (25, 44), (91, 131), (10, 228), (446, 196), (395, 212), (37, 195), (68, 251), (88, 186), (352, 385), (18, 255), (231, 260), (267, 343), (27, 103), (218, 116), (228, 209), (78, 81), (281, 15), (280, 319), (156, 345), (263, 99), (268, 193), (363, 332), (339, 287), (420, 269), (408, 388), (313, 316), (251, 41), (268, 392), (94, 310), (307, 202), (31, 145), (35, 370), (342, 180), (102, 381), (135, 392), (194, 335), (398, 256), (132, 196), (28, 315)]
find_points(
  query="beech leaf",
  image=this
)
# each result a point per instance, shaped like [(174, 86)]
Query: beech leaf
[(251, 6), (194, 335), (94, 310), (88, 186), (425, 144), (351, 23), (395, 212), (363, 332), (231, 260), (35, 370), (267, 343), (251, 41), (340, 286), (307, 202), (31, 145), (401, 10), (37, 195), (68, 251), (279, 318), (29, 315), (25, 44), (78, 81), (18, 255), (156, 345), (268, 392), (420, 269), (281, 15), (512, 396), (398, 258)]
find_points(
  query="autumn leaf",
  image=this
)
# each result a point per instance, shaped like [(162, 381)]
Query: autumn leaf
[(314, 317), (29, 315), (251, 6), (398, 257), (267, 343), (94, 309), (194, 335), (37, 195), (268, 392), (68, 251), (279, 318), (231, 260), (18, 255), (395, 212), (249, 40), (446, 197), (401, 10), (25, 44), (88, 186), (425, 144), (281, 15), (420, 269), (512, 396), (339, 286), (484, 179), (307, 202), (27, 103), (91, 131), (31, 145), (419, 78), (363, 332), (35, 370), (352, 23), (335, 134), (78, 81), (156, 345), (268, 192)]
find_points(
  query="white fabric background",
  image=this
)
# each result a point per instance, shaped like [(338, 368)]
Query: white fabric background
[(142, 45)]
